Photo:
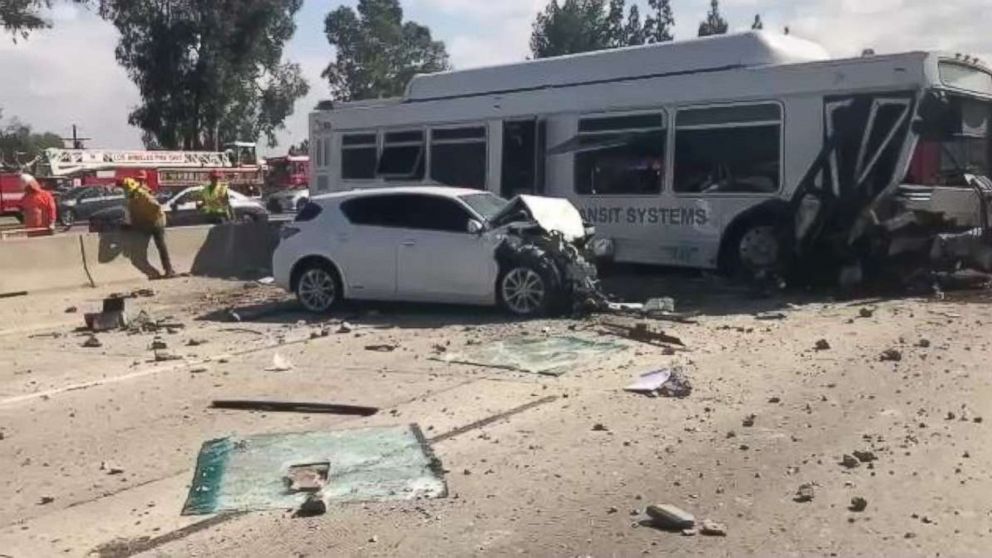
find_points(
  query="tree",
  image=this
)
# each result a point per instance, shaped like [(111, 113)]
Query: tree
[(714, 24), (209, 73), (585, 25), (377, 52), (658, 26), (758, 25), (302, 149), (20, 144), (20, 17)]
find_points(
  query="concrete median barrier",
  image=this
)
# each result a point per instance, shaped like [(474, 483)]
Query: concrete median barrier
[(67, 261), (40, 264)]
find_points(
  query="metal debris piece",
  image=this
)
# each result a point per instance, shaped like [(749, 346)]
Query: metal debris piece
[(805, 494), (280, 364), (891, 355), (849, 461), (678, 385), (669, 517), (383, 348), (643, 333), (711, 528), (294, 407), (92, 342), (313, 506), (112, 317), (858, 504), (822, 345), (770, 316), (110, 468)]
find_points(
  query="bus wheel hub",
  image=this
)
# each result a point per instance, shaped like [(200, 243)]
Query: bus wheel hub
[(759, 248)]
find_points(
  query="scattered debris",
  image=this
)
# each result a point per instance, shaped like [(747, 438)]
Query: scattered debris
[(311, 477), (600, 427), (849, 461), (199, 370), (643, 333), (45, 500), (711, 528), (866, 312), (806, 493), (670, 518), (294, 407), (345, 327), (71, 310), (690, 532), (891, 355), (158, 344), (143, 323), (363, 465), (232, 316), (110, 468), (663, 305), (279, 364), (678, 385), (749, 420), (865, 456), (923, 343), (313, 506), (858, 504), (383, 348), (166, 356), (822, 345), (196, 342), (92, 342), (770, 316), (651, 382)]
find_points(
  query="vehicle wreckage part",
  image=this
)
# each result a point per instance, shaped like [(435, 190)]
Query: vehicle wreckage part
[(318, 288)]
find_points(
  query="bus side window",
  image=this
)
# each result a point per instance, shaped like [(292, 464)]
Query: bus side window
[(619, 155), (359, 156), (735, 149)]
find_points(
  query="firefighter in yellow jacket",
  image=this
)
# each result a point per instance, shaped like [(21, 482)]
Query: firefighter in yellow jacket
[(215, 202), (147, 217)]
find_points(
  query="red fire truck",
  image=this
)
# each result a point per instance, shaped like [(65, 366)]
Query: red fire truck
[(169, 171), (11, 192)]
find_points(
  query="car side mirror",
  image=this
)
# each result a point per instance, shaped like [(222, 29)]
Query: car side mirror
[(475, 227)]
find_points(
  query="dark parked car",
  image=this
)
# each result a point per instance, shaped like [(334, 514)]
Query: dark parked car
[(83, 202), (181, 210)]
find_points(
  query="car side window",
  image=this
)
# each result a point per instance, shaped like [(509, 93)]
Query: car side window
[(374, 211), (434, 213)]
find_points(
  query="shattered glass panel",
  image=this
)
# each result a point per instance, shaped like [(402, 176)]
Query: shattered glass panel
[(370, 464), (552, 356)]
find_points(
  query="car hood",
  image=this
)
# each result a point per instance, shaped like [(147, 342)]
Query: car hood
[(552, 214)]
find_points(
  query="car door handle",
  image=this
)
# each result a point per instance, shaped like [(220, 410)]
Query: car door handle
[(409, 243)]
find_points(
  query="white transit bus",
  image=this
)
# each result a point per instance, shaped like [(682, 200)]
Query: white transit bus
[(697, 153)]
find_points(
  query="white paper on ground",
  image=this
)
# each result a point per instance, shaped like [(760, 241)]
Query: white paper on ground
[(279, 364), (652, 381)]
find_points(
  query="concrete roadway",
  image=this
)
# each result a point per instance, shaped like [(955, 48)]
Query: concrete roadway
[(538, 479)]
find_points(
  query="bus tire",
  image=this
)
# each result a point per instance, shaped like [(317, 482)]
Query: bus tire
[(755, 249)]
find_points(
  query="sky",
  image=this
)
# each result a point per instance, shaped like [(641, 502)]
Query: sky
[(68, 74)]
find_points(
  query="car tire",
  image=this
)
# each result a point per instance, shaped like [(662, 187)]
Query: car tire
[(318, 287), (67, 218), (529, 287)]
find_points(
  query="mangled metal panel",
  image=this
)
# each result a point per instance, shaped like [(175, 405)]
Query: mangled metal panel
[(369, 464)]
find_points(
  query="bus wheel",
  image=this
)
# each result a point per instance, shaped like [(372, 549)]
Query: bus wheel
[(756, 251)]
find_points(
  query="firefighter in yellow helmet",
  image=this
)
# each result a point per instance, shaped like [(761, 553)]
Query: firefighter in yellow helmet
[(215, 201), (147, 217)]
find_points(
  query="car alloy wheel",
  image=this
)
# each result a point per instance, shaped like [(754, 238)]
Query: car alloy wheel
[(317, 290), (524, 291), (68, 218)]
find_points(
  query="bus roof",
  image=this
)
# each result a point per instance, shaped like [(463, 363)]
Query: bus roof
[(751, 49)]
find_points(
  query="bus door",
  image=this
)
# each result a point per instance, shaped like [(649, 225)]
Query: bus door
[(524, 144)]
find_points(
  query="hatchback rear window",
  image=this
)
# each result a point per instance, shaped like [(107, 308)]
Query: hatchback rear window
[(309, 212)]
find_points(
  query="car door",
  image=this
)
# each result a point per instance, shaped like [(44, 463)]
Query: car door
[(438, 259), (183, 211), (364, 246), (111, 197), (88, 203)]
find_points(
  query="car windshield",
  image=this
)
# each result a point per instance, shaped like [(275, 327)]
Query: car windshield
[(485, 204)]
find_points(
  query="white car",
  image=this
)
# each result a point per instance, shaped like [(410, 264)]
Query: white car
[(435, 244), (287, 201)]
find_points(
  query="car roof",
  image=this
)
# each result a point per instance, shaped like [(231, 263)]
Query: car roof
[(442, 191)]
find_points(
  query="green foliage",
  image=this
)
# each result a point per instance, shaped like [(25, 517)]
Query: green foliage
[(209, 73), (714, 24), (20, 17), (658, 25), (377, 53), (20, 144), (585, 25)]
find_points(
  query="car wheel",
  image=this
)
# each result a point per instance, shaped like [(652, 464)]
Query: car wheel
[(67, 218), (318, 288), (527, 290), (301, 203)]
